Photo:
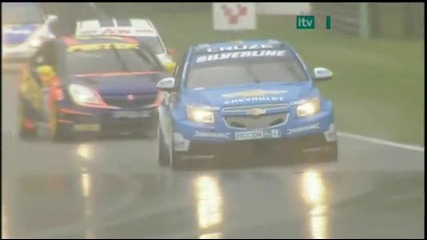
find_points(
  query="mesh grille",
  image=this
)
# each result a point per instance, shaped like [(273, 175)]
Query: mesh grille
[(249, 122), (123, 101)]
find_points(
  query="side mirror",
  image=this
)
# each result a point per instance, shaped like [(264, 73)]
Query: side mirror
[(170, 67), (166, 84), (322, 74), (171, 51), (51, 18)]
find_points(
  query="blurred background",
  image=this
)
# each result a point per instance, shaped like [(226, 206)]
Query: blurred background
[(376, 51)]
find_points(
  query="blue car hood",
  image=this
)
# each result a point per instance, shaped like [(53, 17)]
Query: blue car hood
[(251, 94), (18, 34), (120, 85)]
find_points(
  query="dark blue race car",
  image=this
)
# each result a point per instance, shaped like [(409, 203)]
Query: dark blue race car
[(89, 85), (243, 97)]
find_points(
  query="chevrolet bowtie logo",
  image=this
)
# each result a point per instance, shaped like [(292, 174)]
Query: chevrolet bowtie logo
[(254, 93), (256, 112)]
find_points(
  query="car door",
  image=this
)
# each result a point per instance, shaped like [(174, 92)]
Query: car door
[(167, 107)]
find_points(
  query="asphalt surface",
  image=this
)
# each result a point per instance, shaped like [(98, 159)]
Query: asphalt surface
[(114, 189)]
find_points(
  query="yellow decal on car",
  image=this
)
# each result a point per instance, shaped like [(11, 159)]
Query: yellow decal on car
[(87, 127), (102, 46)]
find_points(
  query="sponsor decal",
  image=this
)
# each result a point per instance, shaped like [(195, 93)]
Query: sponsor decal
[(116, 31), (251, 135), (242, 54), (102, 46), (87, 127), (18, 31), (304, 128), (18, 34), (212, 134), (254, 99), (88, 32), (254, 93), (240, 47), (131, 114)]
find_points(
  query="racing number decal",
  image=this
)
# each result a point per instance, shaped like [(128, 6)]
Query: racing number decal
[(102, 46)]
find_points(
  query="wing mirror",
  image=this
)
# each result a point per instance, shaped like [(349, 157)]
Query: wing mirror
[(166, 84), (322, 74)]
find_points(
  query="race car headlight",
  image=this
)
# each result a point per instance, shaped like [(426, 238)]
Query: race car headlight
[(83, 95), (200, 115), (309, 108)]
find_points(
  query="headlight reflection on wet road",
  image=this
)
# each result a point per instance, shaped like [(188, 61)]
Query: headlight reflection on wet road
[(209, 205), (314, 192), (4, 222), (85, 151)]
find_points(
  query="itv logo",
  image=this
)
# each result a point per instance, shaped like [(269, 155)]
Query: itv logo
[(308, 22)]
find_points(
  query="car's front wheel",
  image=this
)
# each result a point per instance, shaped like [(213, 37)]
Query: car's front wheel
[(163, 155), (330, 152), (176, 158)]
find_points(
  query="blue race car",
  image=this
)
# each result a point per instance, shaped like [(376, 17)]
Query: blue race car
[(237, 96), (89, 85), (25, 28)]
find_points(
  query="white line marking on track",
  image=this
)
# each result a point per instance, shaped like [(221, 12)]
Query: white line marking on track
[(381, 141)]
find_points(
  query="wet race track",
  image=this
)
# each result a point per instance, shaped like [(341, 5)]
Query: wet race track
[(114, 189)]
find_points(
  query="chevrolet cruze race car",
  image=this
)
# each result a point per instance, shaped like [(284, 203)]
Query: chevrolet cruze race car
[(224, 96), (89, 85), (25, 28), (141, 29)]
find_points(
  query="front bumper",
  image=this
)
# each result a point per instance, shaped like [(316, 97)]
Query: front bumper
[(188, 135), (78, 119)]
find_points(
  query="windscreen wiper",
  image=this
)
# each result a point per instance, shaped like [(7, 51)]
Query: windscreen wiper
[(120, 59), (251, 72), (143, 56)]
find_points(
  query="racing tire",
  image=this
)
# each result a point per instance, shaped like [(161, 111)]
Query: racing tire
[(153, 132), (330, 154), (163, 156), (24, 133), (176, 161)]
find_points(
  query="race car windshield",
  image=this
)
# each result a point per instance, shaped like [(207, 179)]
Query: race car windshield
[(15, 13), (109, 60), (153, 43), (238, 72)]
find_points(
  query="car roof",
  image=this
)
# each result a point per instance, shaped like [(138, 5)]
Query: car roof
[(205, 47), (140, 26)]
